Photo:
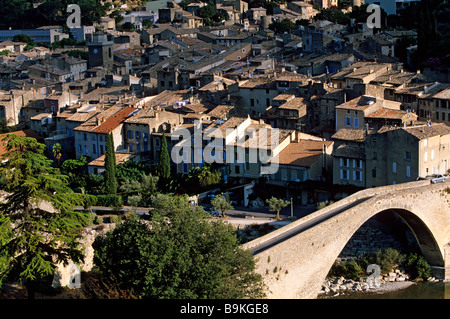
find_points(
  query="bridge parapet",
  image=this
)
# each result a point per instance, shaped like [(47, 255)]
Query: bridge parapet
[(294, 260), (365, 193)]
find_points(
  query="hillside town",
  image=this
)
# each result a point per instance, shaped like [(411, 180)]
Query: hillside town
[(350, 112), (339, 106)]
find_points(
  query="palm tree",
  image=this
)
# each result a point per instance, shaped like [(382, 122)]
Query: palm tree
[(57, 152)]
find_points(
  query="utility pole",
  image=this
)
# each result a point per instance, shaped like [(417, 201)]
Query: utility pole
[(292, 208)]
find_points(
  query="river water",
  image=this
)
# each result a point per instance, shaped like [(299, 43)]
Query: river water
[(419, 290)]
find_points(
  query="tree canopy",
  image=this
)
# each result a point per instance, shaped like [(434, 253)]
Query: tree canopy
[(221, 204), (188, 256), (276, 204), (35, 237)]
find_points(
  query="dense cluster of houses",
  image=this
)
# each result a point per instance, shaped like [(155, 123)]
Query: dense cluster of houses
[(343, 114)]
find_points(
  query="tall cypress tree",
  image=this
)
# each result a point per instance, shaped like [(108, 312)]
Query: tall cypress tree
[(164, 160), (110, 166)]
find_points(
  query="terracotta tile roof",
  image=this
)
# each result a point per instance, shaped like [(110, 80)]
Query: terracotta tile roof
[(120, 159), (220, 110), (106, 121), (359, 103), (383, 113), (260, 83), (349, 151), (302, 152), (347, 134), (27, 133), (114, 121), (445, 94), (294, 104), (425, 131)]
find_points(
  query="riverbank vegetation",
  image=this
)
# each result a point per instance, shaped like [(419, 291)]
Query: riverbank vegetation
[(389, 259)]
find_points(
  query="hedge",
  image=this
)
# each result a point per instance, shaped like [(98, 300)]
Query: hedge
[(109, 200)]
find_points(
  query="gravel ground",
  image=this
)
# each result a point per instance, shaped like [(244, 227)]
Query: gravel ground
[(391, 286)]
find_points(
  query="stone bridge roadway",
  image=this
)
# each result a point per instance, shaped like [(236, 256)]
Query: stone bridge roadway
[(294, 260)]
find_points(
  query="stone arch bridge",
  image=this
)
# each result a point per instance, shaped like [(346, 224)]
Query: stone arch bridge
[(294, 260)]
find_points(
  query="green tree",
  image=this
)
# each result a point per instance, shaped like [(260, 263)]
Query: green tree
[(167, 205), (282, 26), (276, 204), (188, 256), (221, 204), (110, 166), (76, 171), (207, 13), (40, 237), (23, 38), (333, 15), (57, 152), (164, 161)]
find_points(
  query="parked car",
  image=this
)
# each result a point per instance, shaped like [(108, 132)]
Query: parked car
[(437, 178)]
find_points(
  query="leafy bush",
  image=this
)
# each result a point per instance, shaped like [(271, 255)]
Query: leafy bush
[(388, 259), (109, 200), (349, 269), (324, 204), (417, 266), (116, 219)]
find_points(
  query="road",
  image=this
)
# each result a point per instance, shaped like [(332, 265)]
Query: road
[(304, 226)]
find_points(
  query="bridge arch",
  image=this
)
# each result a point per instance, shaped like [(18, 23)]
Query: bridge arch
[(294, 260)]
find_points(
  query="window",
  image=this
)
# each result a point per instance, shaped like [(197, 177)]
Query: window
[(138, 134), (432, 154), (425, 142), (102, 150), (86, 149), (425, 157), (185, 168), (130, 134), (356, 122), (408, 156), (138, 147), (130, 147), (85, 136), (408, 171), (374, 155), (344, 174), (357, 176), (348, 121), (94, 148), (374, 172), (252, 102), (357, 163), (394, 167), (344, 162)]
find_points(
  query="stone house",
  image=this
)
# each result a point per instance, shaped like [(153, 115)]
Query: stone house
[(90, 136), (349, 157), (140, 130), (399, 155), (257, 94)]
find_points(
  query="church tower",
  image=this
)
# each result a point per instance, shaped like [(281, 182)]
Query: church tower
[(101, 51)]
